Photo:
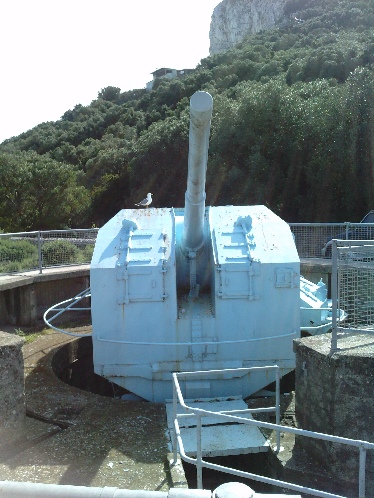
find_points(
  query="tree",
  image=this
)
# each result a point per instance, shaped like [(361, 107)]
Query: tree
[(293, 128), (37, 192), (110, 93)]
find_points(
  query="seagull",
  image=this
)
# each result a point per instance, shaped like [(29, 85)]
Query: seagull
[(145, 202)]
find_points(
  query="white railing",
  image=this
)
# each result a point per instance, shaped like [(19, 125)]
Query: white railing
[(27, 251), (352, 287), (177, 395), (69, 305), (363, 446), (313, 240)]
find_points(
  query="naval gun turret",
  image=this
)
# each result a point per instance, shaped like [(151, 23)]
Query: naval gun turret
[(199, 288)]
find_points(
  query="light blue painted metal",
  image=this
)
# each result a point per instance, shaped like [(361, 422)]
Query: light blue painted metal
[(315, 308), (201, 107), (231, 301)]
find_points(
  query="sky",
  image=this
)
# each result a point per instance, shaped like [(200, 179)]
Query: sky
[(56, 54)]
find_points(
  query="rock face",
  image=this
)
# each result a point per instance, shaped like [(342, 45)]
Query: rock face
[(233, 20)]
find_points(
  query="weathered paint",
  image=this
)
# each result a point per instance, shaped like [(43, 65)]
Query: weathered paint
[(194, 289), (247, 313)]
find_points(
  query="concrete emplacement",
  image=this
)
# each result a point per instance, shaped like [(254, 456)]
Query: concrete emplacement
[(53, 450), (75, 437), (332, 395)]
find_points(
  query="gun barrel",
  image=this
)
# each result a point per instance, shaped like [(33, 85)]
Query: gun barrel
[(201, 106)]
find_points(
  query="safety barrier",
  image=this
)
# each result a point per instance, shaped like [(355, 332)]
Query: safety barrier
[(27, 251), (313, 240), (363, 446), (352, 287)]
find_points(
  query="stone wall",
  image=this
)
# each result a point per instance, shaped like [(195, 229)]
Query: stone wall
[(233, 20), (12, 385), (334, 395)]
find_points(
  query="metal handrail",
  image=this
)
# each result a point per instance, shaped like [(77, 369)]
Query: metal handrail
[(314, 239), (67, 305), (40, 237), (199, 412), (315, 246), (363, 446), (196, 343)]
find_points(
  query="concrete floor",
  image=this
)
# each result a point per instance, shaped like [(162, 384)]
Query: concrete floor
[(79, 438), (72, 436)]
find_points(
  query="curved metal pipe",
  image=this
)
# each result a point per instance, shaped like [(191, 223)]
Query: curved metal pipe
[(69, 307)]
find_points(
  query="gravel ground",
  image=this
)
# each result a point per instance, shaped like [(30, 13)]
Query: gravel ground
[(79, 438)]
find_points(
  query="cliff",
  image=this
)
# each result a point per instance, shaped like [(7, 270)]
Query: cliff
[(233, 20)]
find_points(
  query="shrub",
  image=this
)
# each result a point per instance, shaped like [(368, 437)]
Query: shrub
[(59, 252), (86, 253), (17, 255)]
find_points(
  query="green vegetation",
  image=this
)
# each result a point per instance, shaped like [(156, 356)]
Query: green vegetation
[(21, 255), (57, 252), (16, 255), (38, 192), (30, 335), (292, 129)]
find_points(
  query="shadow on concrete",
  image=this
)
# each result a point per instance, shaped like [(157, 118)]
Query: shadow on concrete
[(105, 442)]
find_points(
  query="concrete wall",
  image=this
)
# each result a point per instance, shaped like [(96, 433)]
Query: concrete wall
[(25, 297), (12, 386), (334, 395)]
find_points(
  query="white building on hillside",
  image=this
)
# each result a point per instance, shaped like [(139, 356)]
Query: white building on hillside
[(167, 72)]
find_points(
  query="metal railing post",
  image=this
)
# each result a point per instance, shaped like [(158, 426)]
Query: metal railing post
[(199, 468), (277, 405), (175, 443), (361, 475), (233, 416), (347, 227), (40, 255), (334, 297)]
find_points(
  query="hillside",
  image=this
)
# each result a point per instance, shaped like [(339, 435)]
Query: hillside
[(292, 129), (233, 20)]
